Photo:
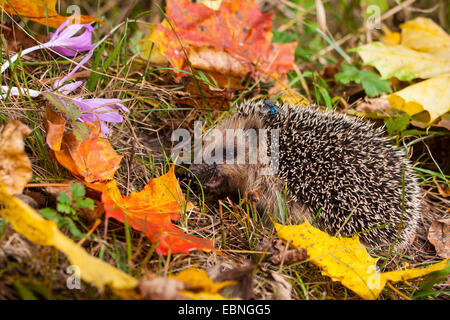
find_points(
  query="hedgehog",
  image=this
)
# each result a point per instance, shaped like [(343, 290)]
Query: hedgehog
[(334, 170)]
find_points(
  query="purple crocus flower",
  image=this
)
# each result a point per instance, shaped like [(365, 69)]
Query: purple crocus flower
[(104, 110), (64, 41)]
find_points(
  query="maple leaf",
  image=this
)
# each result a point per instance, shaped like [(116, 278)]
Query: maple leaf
[(151, 211), (41, 11), (238, 28)]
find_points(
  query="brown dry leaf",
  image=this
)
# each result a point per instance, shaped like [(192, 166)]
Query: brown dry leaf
[(243, 276), (215, 98), (439, 236), (282, 287), (54, 125), (159, 288), (375, 105), (277, 252), (15, 167), (210, 59)]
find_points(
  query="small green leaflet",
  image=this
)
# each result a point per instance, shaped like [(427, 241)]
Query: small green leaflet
[(371, 83)]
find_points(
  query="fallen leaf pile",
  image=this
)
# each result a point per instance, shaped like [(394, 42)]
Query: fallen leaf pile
[(233, 41)]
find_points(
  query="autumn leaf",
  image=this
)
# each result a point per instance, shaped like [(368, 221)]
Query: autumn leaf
[(432, 96), (422, 34), (92, 159), (402, 62), (55, 125), (439, 236), (41, 11), (346, 260), (151, 211), (26, 221), (96, 160), (236, 38), (201, 286), (15, 167), (423, 52)]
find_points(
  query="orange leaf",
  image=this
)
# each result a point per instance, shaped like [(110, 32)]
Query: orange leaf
[(55, 125), (151, 211), (96, 160), (238, 28), (93, 159), (41, 11)]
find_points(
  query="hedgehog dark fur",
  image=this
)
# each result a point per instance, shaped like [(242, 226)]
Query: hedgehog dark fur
[(330, 163)]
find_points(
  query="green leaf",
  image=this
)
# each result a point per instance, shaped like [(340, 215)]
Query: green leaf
[(48, 213), (430, 280), (85, 203), (75, 231), (66, 106), (63, 198), (348, 74), (81, 131), (78, 190), (396, 124), (372, 84), (62, 207)]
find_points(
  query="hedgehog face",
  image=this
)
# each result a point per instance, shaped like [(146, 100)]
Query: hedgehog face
[(221, 177), (229, 156)]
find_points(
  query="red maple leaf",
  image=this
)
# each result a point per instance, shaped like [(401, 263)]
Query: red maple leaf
[(238, 28), (151, 211)]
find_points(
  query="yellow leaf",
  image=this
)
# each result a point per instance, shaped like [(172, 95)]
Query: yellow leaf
[(40, 231), (402, 62), (202, 287), (424, 35), (390, 38), (149, 50), (346, 260), (432, 95)]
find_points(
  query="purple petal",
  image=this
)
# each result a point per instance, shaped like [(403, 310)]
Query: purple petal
[(67, 88), (66, 43), (60, 28)]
